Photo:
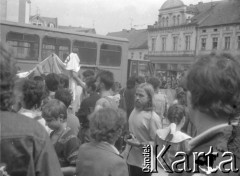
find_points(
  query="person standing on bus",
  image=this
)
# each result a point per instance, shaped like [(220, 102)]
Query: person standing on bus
[(76, 85)]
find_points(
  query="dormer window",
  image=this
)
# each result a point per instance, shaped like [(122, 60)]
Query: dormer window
[(167, 22), (174, 20), (163, 21), (178, 20)]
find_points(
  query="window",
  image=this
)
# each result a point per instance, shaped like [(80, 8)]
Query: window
[(163, 43), (178, 20), (174, 20), (203, 43), (227, 43), (215, 30), (175, 43), (187, 42), (153, 44), (110, 55), (215, 43), (59, 46), (87, 52), (238, 42), (167, 22), (163, 21), (132, 55), (140, 55), (204, 31), (25, 46)]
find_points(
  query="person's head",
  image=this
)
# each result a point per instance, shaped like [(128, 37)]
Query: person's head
[(107, 124), (7, 78), (213, 84), (181, 96), (144, 97), (64, 95), (104, 80), (140, 80), (90, 85), (176, 114), (55, 114), (131, 82), (63, 81), (52, 81), (155, 82), (33, 93), (116, 87), (88, 73)]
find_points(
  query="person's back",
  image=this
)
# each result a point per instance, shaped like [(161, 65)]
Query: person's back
[(25, 145), (26, 148)]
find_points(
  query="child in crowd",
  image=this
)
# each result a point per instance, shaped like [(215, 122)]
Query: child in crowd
[(65, 142), (172, 134)]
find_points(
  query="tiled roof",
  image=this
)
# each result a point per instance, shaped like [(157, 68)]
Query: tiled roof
[(45, 19), (137, 38), (227, 12), (78, 29)]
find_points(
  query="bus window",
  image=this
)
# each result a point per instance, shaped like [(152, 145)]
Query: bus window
[(59, 46), (25, 46), (87, 52), (110, 55)]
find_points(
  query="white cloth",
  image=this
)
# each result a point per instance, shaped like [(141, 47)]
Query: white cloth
[(72, 63), (33, 114)]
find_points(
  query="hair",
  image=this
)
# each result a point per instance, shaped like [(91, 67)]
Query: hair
[(65, 96), (54, 108), (181, 95), (155, 82), (7, 77), (106, 123), (116, 87), (214, 83), (140, 80), (176, 113), (106, 77), (150, 93), (33, 93), (63, 81), (90, 82), (52, 81), (88, 73)]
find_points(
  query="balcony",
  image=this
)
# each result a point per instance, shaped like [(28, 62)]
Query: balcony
[(172, 53)]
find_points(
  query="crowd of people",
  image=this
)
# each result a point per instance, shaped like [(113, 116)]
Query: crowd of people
[(49, 129)]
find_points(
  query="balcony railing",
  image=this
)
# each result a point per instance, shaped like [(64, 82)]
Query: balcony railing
[(173, 53)]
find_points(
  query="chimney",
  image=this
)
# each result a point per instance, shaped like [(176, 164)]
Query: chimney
[(24, 11)]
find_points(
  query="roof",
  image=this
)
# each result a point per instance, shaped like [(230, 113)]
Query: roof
[(172, 4), (138, 39), (45, 19), (78, 29), (226, 12)]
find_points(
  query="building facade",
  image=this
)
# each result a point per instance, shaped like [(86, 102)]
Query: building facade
[(183, 32)]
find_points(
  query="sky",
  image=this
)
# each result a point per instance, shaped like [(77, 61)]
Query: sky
[(103, 15)]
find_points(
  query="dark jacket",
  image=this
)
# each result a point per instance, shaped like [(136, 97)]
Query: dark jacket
[(26, 149), (100, 159)]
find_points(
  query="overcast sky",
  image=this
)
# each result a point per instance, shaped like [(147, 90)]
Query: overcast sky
[(103, 15)]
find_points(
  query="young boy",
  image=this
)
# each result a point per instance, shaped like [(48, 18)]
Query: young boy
[(65, 142)]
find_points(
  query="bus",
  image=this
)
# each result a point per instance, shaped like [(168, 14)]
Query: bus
[(32, 44)]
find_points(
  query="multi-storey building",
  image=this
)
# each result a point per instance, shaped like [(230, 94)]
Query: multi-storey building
[(172, 40), (138, 47), (220, 31)]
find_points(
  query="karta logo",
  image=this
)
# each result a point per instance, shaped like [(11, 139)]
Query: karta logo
[(199, 162)]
